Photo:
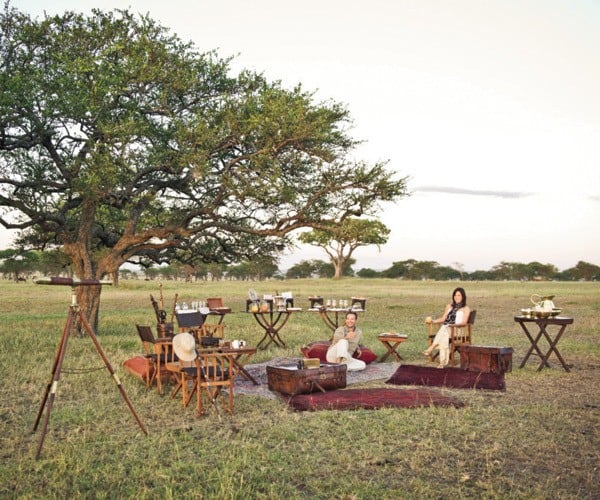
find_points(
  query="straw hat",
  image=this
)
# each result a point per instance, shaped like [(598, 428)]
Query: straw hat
[(184, 346)]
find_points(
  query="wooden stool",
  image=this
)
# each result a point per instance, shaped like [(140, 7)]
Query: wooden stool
[(391, 342)]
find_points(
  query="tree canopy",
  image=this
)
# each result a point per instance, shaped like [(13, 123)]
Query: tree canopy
[(120, 143)]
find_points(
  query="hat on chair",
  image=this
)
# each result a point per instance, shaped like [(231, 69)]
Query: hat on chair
[(184, 346)]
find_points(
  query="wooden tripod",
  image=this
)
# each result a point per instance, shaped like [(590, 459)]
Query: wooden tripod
[(48, 399)]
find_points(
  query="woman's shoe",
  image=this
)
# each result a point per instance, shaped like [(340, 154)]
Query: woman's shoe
[(441, 366), (426, 353)]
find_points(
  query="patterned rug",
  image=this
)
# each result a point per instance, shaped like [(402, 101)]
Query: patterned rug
[(447, 377), (373, 371), (371, 399)]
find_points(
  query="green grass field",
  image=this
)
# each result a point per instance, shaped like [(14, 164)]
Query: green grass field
[(538, 439)]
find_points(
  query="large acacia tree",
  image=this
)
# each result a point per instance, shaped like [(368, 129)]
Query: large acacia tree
[(121, 142)]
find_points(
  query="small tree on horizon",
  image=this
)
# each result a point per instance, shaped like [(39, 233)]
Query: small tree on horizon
[(341, 241)]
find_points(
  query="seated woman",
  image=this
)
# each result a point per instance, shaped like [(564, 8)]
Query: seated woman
[(345, 342), (456, 313)]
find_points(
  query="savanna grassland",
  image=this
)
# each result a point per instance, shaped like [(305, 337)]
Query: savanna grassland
[(537, 439)]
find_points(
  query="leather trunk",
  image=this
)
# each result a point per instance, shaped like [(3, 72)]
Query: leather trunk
[(290, 380), (487, 359)]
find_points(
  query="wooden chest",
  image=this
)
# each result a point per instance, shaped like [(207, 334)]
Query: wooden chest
[(486, 359), (290, 380)]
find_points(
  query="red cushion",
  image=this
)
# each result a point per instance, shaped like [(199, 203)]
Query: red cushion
[(137, 367), (319, 350), (316, 350), (366, 355)]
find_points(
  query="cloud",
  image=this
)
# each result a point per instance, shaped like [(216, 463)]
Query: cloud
[(472, 192)]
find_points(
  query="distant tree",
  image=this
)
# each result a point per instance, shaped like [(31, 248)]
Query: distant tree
[(151, 273), (541, 271), (449, 273), (54, 262), (263, 267), (17, 263), (216, 271), (460, 267), (582, 271), (398, 269), (365, 272), (480, 275), (121, 143), (239, 272), (304, 269), (47, 263), (520, 271), (413, 269), (341, 241), (426, 269), (509, 271), (127, 274), (418, 270), (259, 269)]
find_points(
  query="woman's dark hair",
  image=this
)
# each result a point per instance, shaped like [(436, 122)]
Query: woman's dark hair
[(353, 313), (464, 296)]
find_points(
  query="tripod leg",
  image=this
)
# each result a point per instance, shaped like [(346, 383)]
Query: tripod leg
[(90, 332), (56, 358), (51, 390)]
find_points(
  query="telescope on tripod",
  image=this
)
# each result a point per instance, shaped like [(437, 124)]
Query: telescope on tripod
[(73, 313)]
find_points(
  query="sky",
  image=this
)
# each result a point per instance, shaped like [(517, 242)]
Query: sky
[(490, 107)]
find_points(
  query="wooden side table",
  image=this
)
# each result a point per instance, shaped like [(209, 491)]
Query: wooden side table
[(272, 322), (240, 358), (542, 323), (391, 342)]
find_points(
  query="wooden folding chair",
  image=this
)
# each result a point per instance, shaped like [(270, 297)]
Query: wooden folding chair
[(215, 373), (158, 352), (213, 330), (190, 322), (184, 370), (461, 335), (184, 373), (458, 336)]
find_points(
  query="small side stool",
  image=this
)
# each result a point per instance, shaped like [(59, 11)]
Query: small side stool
[(391, 342)]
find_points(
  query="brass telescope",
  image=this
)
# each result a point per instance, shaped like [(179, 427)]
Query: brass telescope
[(56, 280)]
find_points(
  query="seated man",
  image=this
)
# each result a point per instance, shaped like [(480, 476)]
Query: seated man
[(345, 342)]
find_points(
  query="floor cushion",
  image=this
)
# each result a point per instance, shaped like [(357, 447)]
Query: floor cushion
[(137, 367), (319, 350)]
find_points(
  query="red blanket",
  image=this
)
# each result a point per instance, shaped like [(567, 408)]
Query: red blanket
[(351, 399), (447, 377)]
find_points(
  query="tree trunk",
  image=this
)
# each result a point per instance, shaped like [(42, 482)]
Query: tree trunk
[(338, 266), (88, 298)]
